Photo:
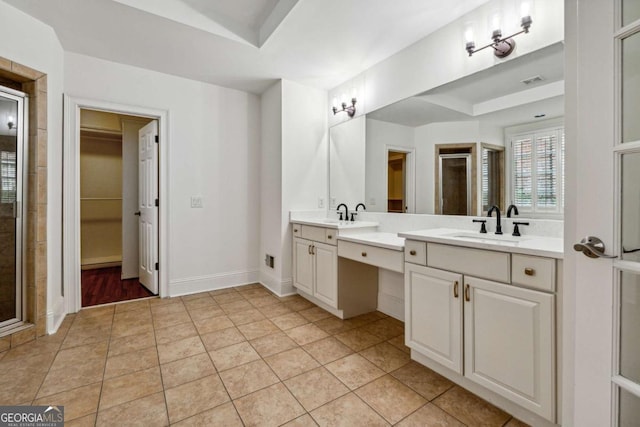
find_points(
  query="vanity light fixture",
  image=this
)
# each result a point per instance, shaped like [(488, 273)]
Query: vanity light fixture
[(502, 46), (350, 110), (10, 122)]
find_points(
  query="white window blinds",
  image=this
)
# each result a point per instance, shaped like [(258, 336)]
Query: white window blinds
[(8, 173), (538, 171)]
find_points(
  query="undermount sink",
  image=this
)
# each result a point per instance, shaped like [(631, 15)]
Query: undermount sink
[(488, 238)]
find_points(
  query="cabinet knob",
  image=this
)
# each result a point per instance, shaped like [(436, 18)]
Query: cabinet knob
[(529, 271), (295, 230), (329, 237), (412, 252), (364, 254)]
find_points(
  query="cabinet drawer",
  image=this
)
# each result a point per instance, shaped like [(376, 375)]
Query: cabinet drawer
[(313, 233), (534, 272), (415, 252), (476, 262), (330, 236), (373, 255)]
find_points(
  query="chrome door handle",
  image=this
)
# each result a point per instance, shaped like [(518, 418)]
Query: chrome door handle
[(592, 247)]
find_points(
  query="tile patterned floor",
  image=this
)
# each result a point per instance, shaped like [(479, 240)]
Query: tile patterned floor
[(237, 356)]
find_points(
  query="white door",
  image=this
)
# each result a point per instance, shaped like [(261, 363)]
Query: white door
[(148, 205), (326, 273), (433, 312), (602, 309), (303, 265)]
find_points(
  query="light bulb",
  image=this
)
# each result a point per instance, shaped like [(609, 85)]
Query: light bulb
[(343, 99), (353, 93), (495, 22), (525, 9), (468, 34)]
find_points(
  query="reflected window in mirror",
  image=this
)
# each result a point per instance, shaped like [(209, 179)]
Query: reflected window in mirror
[(492, 177), (537, 164)]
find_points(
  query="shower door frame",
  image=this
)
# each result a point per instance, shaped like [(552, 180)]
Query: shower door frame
[(468, 158), (22, 175)]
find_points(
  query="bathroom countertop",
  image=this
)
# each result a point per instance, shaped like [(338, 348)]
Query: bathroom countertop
[(382, 240), (334, 223)]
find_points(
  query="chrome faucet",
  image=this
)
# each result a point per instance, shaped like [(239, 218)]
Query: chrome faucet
[(498, 224), (513, 208), (356, 212), (346, 211)]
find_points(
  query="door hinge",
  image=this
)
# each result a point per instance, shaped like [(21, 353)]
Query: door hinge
[(157, 202), (157, 138), (157, 266)]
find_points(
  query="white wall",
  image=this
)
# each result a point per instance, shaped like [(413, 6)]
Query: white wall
[(380, 135), (347, 163), (214, 152), (31, 43)]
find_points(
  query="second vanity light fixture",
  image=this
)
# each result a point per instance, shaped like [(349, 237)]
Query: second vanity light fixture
[(10, 122), (349, 109), (502, 46)]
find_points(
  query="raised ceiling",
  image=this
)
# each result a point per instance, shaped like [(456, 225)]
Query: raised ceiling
[(246, 44)]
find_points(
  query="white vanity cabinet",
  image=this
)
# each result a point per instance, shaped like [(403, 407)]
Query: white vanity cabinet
[(490, 330), (315, 263)]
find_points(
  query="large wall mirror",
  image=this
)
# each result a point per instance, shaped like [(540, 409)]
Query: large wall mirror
[(492, 138)]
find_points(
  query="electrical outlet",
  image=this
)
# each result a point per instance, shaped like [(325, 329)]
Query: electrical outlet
[(196, 201), (268, 260), (321, 202), (372, 201), (333, 203)]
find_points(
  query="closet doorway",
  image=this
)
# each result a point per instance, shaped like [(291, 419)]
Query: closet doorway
[(118, 192)]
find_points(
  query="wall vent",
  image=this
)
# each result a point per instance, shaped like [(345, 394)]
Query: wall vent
[(534, 79)]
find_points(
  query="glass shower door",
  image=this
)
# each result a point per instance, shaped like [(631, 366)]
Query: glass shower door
[(11, 158)]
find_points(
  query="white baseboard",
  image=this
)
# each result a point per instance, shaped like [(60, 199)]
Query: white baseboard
[(101, 260), (281, 288), (212, 282), (55, 317)]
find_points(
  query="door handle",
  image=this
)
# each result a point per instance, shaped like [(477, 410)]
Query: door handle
[(455, 289), (467, 294), (592, 247), (137, 213)]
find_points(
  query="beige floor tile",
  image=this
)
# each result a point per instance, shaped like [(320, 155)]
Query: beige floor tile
[(180, 349), (354, 371), (228, 297), (254, 293), (95, 311), (246, 316), (398, 342), (77, 403), (423, 380), (288, 321), (222, 291), (72, 376), (125, 329), (212, 324), (516, 423), (86, 421), (166, 310), (386, 357), (125, 388), (298, 304), (86, 335), (30, 349), (306, 333), (155, 302), (196, 296), (195, 397), (236, 306), (234, 355), (223, 415), (272, 406), (385, 328), (430, 415), (291, 363), (258, 329), (327, 350), (175, 333), (131, 362), (347, 411), (205, 312), (223, 338), (131, 343), (315, 388), (36, 363), (132, 305), (470, 409), (23, 389), (186, 370), (390, 398), (358, 339), (130, 316), (333, 325), (273, 344), (303, 421), (274, 310), (248, 378), (101, 321), (71, 356), (203, 302), (146, 411), (167, 320), (263, 301), (314, 314)]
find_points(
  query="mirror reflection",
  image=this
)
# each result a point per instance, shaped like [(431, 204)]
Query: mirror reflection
[(491, 138)]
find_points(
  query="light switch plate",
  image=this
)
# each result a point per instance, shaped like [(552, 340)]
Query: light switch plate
[(196, 201), (321, 202)]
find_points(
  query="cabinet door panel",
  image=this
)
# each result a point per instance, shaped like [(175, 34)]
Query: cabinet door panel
[(434, 314), (326, 258), (302, 265), (509, 340)]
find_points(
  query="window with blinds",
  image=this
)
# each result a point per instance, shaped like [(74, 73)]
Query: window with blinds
[(538, 171), (8, 174)]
